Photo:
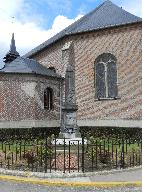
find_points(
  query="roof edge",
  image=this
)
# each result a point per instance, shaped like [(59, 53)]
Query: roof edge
[(82, 32), (33, 74), (70, 30)]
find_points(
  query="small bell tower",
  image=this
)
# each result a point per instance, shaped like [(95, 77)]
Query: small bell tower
[(12, 54)]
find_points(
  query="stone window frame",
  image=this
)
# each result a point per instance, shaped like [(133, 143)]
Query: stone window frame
[(102, 59), (48, 99)]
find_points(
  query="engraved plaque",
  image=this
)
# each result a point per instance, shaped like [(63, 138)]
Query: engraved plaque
[(70, 118)]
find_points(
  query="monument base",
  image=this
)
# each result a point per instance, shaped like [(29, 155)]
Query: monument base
[(69, 135)]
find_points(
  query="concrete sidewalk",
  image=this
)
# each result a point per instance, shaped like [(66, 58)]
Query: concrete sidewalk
[(112, 178), (130, 175), (124, 176)]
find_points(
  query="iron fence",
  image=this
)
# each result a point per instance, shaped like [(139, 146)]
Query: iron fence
[(82, 155)]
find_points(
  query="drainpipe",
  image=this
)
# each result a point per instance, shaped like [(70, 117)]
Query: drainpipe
[(61, 101)]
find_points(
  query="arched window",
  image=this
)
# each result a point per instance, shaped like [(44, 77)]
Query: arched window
[(48, 98), (106, 76)]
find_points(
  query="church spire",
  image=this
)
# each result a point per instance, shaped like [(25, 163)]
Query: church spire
[(12, 46), (12, 54)]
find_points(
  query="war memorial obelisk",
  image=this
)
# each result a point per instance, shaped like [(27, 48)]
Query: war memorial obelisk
[(69, 126)]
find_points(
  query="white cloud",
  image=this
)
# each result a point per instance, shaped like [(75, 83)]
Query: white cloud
[(27, 34), (9, 7), (61, 22)]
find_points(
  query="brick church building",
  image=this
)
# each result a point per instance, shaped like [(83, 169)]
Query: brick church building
[(103, 49)]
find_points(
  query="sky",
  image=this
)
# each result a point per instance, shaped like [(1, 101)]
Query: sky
[(35, 21)]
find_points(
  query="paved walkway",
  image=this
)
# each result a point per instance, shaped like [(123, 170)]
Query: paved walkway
[(130, 175), (117, 178)]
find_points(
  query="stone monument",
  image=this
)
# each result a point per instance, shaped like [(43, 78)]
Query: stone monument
[(69, 126), (69, 136)]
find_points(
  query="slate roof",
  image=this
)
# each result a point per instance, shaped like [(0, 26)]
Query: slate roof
[(105, 16), (27, 66)]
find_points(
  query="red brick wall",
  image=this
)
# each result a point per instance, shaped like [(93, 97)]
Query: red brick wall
[(22, 98), (53, 56), (126, 45)]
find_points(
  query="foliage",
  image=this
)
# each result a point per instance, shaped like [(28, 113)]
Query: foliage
[(112, 133), (30, 156), (28, 134), (105, 157)]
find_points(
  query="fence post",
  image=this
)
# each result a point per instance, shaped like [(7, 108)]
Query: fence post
[(122, 156), (83, 153), (46, 145), (78, 153), (55, 150), (64, 155)]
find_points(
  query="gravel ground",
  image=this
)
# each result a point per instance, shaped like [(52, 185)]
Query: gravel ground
[(7, 186)]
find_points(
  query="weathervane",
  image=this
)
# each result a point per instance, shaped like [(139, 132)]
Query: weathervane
[(13, 19), (12, 22)]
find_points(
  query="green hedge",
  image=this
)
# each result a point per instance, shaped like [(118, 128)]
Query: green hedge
[(109, 132), (31, 133)]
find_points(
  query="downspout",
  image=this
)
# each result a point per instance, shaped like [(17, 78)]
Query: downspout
[(61, 101)]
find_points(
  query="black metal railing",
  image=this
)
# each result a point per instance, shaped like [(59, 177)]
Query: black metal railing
[(53, 154)]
